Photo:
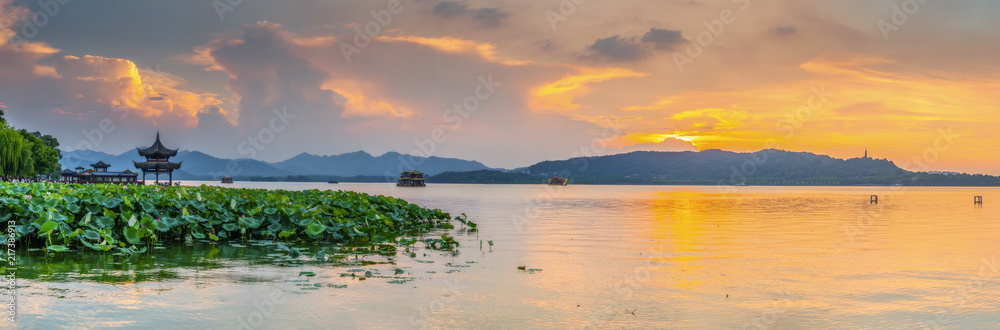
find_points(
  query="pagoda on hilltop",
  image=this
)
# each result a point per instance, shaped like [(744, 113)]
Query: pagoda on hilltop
[(157, 161)]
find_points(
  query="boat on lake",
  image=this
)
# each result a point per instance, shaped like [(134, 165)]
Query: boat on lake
[(227, 180), (557, 181), (332, 181), (411, 179)]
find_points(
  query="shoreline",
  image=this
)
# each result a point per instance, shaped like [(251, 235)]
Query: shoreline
[(625, 184)]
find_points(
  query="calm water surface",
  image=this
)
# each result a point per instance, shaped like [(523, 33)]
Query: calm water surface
[(603, 257)]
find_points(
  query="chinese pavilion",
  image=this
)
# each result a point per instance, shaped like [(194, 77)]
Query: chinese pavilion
[(157, 161)]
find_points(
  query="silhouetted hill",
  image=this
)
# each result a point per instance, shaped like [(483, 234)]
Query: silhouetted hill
[(721, 167), (717, 167)]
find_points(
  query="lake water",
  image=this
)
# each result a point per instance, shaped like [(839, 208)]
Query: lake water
[(599, 256)]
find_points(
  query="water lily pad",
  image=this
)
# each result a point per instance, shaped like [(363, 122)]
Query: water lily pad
[(58, 248), (47, 227)]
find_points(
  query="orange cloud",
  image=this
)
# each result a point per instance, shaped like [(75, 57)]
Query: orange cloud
[(118, 82), (359, 101), (559, 95), (723, 119), (454, 45)]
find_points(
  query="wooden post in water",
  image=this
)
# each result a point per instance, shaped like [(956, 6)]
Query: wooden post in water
[(874, 199), (978, 200)]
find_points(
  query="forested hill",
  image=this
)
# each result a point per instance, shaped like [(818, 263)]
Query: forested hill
[(714, 167)]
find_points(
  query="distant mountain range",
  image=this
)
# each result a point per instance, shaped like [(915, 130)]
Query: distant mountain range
[(709, 167), (717, 167), (200, 166)]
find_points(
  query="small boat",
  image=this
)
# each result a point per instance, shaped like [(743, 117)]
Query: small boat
[(227, 180), (332, 181), (411, 179), (557, 181)]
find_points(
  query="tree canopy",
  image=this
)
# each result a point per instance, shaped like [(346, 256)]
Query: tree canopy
[(27, 154)]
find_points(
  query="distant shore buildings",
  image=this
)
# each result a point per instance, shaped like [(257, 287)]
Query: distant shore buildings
[(98, 174), (943, 173)]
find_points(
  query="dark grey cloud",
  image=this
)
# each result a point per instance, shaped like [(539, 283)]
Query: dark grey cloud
[(267, 73), (618, 49), (785, 30), (451, 8), (663, 38), (628, 49), (490, 17)]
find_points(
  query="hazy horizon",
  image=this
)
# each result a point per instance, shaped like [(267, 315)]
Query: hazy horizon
[(376, 155)]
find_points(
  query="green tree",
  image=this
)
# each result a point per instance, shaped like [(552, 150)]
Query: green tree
[(12, 147), (27, 154)]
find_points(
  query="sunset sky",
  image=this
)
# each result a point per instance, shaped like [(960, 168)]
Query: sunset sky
[(903, 79)]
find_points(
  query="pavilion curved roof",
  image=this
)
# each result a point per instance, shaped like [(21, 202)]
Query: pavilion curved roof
[(156, 166), (157, 150)]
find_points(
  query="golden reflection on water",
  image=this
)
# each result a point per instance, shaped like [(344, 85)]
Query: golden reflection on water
[(821, 252), (762, 257)]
